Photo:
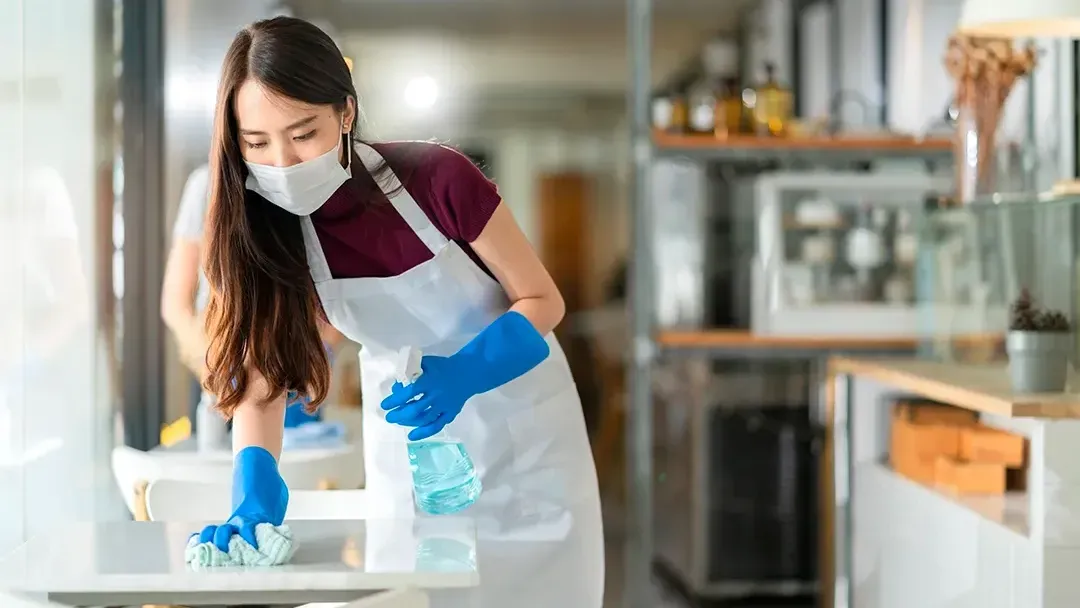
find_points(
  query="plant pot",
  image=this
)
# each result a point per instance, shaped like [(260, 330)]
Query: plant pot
[(1038, 361)]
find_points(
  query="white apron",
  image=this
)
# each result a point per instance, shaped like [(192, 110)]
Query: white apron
[(540, 536)]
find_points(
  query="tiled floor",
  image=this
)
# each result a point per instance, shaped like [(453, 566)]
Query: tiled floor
[(615, 540), (615, 537)]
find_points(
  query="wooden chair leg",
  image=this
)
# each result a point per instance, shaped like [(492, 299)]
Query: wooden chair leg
[(142, 513)]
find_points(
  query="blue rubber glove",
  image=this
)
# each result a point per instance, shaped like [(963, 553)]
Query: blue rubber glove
[(295, 414), (259, 496), (506, 349)]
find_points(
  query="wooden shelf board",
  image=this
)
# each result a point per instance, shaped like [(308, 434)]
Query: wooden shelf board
[(977, 387), (842, 143), (739, 338)]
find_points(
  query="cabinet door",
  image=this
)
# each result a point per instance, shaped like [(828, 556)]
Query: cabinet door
[(995, 582), (873, 530), (1026, 574)]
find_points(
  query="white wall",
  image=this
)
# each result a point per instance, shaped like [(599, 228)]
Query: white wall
[(55, 396)]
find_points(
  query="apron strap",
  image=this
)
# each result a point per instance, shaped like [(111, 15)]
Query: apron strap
[(387, 180), (402, 201), (320, 269)]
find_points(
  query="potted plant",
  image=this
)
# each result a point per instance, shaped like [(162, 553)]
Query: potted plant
[(1039, 344)]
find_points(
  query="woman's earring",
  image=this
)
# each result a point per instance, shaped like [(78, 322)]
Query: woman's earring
[(348, 150)]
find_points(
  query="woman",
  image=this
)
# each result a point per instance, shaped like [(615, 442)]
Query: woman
[(184, 294), (400, 245)]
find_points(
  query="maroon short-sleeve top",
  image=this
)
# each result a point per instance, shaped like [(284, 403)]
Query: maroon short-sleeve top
[(362, 235)]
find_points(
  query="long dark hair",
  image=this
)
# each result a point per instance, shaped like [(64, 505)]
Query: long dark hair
[(263, 308)]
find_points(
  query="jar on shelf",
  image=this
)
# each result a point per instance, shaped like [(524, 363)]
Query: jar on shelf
[(773, 105), (702, 111), (984, 72), (679, 114), (728, 114), (663, 113)]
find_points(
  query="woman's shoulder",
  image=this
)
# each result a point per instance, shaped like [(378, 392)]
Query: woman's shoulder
[(446, 184), (423, 158)]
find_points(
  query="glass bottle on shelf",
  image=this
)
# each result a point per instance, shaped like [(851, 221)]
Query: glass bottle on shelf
[(663, 111), (679, 111), (729, 109), (702, 117), (773, 106), (865, 252)]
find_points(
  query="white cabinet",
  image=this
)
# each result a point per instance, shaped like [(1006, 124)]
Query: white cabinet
[(917, 547)]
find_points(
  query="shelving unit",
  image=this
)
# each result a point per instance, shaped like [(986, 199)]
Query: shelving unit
[(648, 343), (748, 147)]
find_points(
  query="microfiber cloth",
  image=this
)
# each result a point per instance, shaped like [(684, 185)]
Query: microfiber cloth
[(276, 547), (314, 435)]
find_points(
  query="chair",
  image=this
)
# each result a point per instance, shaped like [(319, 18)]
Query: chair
[(316, 469), (176, 500), (134, 469), (301, 469)]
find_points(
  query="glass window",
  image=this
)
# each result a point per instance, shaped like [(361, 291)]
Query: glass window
[(55, 389)]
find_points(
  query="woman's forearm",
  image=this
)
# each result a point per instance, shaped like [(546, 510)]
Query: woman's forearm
[(192, 343), (545, 313), (258, 422)]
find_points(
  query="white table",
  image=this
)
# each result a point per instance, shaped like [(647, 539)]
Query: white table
[(131, 563), (189, 447)]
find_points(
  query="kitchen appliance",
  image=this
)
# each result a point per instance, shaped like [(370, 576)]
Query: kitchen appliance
[(850, 236), (736, 486)]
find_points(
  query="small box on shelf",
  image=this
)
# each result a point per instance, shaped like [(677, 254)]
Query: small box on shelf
[(983, 444), (962, 477), (946, 447)]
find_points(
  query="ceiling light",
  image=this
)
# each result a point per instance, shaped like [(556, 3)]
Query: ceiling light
[(421, 92)]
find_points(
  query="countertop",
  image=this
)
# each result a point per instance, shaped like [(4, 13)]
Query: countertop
[(977, 387), (720, 338), (122, 563)]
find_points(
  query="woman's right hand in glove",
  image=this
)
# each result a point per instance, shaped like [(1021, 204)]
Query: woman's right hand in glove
[(259, 496)]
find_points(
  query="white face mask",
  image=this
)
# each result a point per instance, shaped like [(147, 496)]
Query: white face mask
[(304, 187)]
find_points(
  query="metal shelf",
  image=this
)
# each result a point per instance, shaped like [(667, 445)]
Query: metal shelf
[(790, 149), (646, 343), (742, 344), (720, 342)]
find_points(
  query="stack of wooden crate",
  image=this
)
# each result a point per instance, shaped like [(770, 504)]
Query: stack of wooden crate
[(947, 447)]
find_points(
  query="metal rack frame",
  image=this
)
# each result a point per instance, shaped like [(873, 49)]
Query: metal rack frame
[(639, 551)]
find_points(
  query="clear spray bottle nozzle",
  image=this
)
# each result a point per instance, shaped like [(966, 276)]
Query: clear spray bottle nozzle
[(409, 368)]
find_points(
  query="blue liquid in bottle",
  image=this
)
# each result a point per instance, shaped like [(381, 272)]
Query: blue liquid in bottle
[(444, 479)]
